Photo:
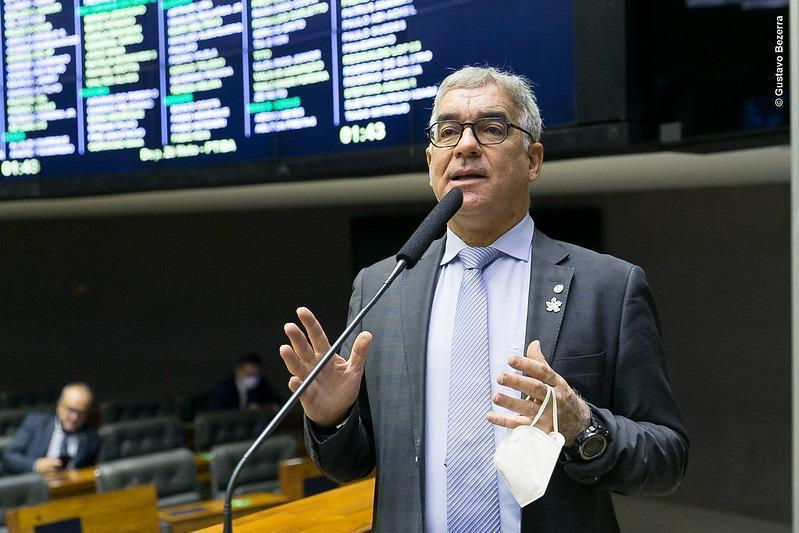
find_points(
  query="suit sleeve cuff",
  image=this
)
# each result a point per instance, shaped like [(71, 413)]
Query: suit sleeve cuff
[(320, 435), (591, 472)]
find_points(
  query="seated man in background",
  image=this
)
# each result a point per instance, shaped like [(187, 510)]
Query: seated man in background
[(245, 388), (46, 443)]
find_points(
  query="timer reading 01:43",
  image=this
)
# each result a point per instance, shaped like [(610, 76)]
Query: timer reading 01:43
[(25, 167), (373, 131)]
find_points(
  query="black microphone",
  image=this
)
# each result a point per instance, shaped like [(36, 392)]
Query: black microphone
[(431, 227)]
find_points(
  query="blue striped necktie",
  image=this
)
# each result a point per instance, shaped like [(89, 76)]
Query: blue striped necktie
[(472, 489)]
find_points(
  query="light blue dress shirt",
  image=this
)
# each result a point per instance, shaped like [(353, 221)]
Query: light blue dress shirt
[(57, 439), (507, 282)]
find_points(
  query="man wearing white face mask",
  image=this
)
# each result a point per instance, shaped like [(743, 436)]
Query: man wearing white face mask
[(245, 388)]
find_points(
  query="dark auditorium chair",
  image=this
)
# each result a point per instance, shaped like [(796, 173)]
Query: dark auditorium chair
[(121, 410), (4, 441), (19, 490), (221, 427), (139, 437), (10, 419), (260, 472), (14, 400), (173, 473), (188, 406)]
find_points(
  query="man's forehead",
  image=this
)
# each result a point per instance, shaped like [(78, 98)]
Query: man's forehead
[(486, 101), (76, 395)]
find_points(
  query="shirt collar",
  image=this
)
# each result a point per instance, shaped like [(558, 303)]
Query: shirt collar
[(515, 242), (58, 428)]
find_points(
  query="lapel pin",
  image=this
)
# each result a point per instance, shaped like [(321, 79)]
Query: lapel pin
[(557, 289), (553, 305)]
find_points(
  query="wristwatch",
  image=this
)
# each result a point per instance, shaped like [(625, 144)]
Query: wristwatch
[(588, 445)]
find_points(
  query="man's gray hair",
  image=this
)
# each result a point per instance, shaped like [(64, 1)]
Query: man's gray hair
[(517, 88)]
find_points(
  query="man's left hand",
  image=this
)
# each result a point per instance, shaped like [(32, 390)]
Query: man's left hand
[(574, 416)]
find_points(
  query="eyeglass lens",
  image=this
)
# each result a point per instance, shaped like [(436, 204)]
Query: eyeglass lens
[(486, 130)]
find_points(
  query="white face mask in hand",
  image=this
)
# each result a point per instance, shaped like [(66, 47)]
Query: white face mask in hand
[(527, 456)]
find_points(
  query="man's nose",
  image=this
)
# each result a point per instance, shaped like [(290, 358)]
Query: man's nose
[(468, 144)]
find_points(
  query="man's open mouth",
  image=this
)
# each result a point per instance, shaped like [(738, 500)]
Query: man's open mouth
[(465, 177)]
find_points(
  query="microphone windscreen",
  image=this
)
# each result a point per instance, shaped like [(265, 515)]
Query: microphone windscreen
[(431, 228)]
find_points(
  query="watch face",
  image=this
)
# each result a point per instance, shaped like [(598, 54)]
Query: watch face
[(593, 446)]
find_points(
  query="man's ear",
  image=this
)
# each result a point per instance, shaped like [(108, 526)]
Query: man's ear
[(535, 156), (428, 153)]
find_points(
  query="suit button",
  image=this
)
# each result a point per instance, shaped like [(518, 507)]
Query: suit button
[(589, 480)]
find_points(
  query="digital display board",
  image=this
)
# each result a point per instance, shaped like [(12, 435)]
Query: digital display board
[(121, 86)]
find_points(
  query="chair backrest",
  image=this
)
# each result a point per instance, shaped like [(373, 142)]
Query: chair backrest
[(139, 437), (173, 473), (23, 489), (13, 400), (221, 427), (10, 419), (260, 472), (4, 441), (120, 410), (188, 406)]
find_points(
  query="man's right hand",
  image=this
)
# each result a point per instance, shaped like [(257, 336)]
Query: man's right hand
[(329, 398), (45, 465)]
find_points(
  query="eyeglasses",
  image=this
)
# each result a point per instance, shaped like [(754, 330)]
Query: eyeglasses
[(74, 412), (487, 130)]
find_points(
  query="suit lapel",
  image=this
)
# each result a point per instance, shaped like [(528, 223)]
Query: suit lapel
[(547, 301), (80, 454), (45, 436), (418, 285)]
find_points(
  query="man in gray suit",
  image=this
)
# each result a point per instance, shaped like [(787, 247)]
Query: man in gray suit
[(45, 443), (553, 314)]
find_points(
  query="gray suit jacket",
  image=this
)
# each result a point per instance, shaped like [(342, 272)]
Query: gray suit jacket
[(32, 439), (604, 341)]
